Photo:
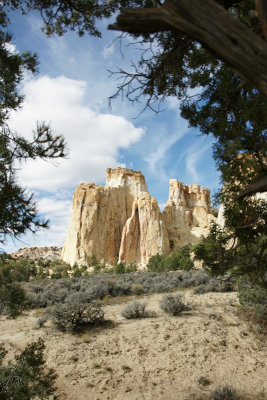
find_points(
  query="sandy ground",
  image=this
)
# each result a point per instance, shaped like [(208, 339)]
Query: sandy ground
[(163, 357)]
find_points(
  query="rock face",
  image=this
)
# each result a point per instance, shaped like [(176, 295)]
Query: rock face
[(121, 221), (187, 214), (144, 233)]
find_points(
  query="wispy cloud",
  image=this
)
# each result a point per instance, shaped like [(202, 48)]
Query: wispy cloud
[(159, 146), (193, 158)]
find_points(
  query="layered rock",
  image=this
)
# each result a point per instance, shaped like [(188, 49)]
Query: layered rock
[(121, 221)]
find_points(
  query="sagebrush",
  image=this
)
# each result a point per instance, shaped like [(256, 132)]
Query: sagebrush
[(173, 304)]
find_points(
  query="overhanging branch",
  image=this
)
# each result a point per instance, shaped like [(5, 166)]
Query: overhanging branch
[(257, 187), (210, 24)]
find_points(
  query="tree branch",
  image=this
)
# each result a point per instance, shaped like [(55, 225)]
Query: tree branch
[(210, 24), (260, 186), (261, 7)]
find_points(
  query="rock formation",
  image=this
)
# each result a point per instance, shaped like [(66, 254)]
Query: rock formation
[(187, 214), (121, 221)]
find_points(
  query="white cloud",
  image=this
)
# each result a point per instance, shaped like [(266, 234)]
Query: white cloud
[(58, 211), (94, 139)]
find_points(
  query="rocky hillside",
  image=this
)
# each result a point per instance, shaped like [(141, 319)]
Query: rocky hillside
[(34, 253)]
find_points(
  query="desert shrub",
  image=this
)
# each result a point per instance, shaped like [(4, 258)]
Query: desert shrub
[(173, 304), (136, 309), (48, 292), (196, 278), (221, 285), (216, 285), (43, 319), (224, 393), (12, 299), (27, 378), (76, 312), (121, 289), (201, 289), (253, 298), (137, 289), (160, 286)]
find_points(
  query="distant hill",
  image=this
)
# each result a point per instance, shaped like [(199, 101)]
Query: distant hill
[(35, 253)]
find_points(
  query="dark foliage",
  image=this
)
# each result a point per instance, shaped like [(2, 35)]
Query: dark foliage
[(178, 259), (12, 295), (18, 210), (27, 378), (12, 299), (253, 298), (19, 270), (242, 253)]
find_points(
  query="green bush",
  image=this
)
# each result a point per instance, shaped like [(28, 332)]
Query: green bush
[(19, 270), (78, 311), (130, 268), (59, 269), (27, 378), (156, 263), (12, 299), (99, 268), (178, 259), (76, 272), (253, 298), (92, 261), (173, 304), (134, 310), (119, 268)]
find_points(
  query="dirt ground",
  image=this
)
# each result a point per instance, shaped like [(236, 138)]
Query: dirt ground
[(163, 357)]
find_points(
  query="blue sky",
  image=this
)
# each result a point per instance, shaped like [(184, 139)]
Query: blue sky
[(71, 92)]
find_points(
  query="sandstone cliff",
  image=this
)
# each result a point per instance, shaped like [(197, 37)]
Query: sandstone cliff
[(121, 221), (187, 214)]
